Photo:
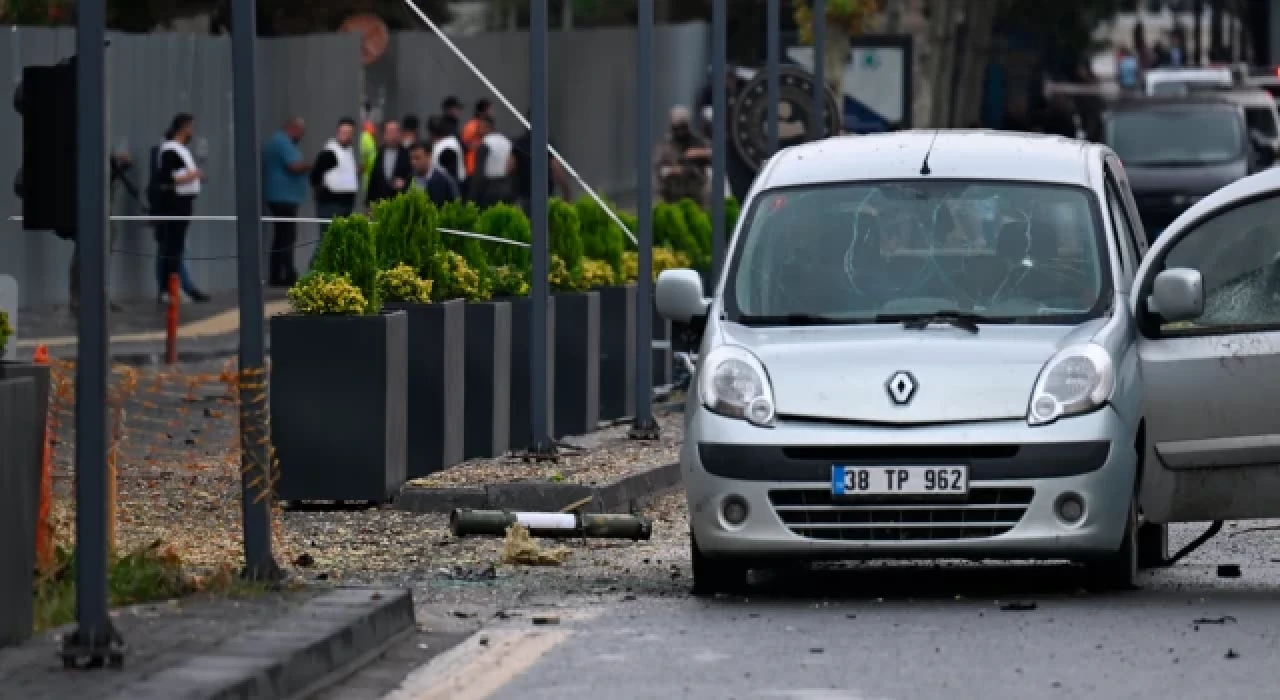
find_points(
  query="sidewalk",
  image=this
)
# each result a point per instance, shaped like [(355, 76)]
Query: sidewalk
[(205, 331), (268, 646)]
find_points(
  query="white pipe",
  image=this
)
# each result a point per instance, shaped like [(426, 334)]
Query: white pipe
[(519, 117), (294, 219)]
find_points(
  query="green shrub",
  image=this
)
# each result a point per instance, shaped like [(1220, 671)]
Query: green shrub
[(602, 239), (327, 294), (732, 209), (633, 225), (509, 223), (698, 222), (403, 285), (561, 277), (405, 227), (6, 331), (564, 233), (463, 216), (507, 281), (350, 248), (671, 230), (457, 279)]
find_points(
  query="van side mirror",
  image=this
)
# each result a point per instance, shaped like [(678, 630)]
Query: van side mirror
[(1177, 295), (678, 296)]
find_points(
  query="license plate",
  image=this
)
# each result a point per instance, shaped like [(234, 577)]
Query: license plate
[(888, 481)]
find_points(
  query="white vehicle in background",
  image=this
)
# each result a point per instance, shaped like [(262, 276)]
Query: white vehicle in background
[(1174, 82)]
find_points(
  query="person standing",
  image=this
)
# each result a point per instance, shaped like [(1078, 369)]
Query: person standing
[(442, 140), (681, 161), (391, 169), (435, 180), (490, 184), (177, 185), (451, 113), (557, 179), (335, 177), (409, 130), (472, 134), (119, 165), (284, 187)]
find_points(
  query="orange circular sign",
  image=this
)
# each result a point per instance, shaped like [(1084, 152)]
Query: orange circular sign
[(373, 35)]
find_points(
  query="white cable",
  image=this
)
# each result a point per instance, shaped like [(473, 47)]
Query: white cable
[(293, 219), (519, 117)]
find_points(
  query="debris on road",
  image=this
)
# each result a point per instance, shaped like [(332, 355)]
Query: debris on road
[(464, 522), (1228, 571), (542, 620), (519, 549), (1018, 606), (1224, 620), (1231, 654)]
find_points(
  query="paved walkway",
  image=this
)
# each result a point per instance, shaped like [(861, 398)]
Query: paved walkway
[(138, 328)]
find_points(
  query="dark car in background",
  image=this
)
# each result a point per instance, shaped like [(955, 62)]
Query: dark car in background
[(1178, 150)]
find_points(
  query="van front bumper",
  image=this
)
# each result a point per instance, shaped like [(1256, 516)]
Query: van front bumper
[(1018, 476)]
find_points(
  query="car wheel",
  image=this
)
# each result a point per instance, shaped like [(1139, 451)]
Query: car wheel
[(712, 576), (1118, 571), (1153, 546)]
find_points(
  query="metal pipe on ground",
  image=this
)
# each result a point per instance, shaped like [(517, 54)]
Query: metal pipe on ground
[(464, 522)]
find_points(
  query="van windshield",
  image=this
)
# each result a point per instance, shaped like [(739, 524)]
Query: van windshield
[(1176, 137), (1016, 252)]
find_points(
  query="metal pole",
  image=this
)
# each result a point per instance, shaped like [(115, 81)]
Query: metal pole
[(719, 141), (773, 44), (644, 427), (95, 639), (540, 163), (255, 435), (818, 117)]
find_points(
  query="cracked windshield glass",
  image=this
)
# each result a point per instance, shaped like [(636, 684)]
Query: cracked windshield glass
[(1163, 137), (1018, 252), (1238, 254)]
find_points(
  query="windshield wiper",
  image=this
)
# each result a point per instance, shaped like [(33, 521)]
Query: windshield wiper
[(797, 319), (963, 320)]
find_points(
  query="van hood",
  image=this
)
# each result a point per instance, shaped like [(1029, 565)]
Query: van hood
[(842, 373), (1196, 180)]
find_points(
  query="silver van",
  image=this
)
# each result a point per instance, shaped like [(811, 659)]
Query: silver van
[(955, 344)]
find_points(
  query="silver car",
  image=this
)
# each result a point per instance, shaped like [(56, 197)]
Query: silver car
[(956, 344)]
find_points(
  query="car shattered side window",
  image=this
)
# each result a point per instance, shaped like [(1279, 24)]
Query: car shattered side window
[(1238, 255)]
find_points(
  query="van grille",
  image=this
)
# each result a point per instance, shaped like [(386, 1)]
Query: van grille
[(985, 512)]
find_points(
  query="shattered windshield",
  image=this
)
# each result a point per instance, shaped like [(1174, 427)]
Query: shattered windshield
[(855, 252)]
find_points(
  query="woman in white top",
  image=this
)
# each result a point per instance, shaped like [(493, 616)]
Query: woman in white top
[(177, 186)]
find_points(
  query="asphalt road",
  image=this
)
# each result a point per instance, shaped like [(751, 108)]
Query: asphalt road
[(877, 632)]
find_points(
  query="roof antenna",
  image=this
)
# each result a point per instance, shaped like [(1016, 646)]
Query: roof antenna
[(924, 167)]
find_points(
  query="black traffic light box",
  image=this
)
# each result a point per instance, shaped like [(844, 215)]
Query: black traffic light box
[(46, 99)]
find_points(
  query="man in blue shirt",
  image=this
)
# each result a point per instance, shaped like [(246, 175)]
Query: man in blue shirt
[(284, 187)]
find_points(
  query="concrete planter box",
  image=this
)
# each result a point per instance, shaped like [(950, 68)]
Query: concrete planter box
[(339, 390), (521, 330), (20, 456), (617, 351), (487, 423), (577, 385), (437, 366)]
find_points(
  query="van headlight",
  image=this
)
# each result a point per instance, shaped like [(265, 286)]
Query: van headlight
[(1077, 380), (732, 382)]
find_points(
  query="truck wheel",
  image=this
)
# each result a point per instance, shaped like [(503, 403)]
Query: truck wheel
[(1118, 571), (712, 576)]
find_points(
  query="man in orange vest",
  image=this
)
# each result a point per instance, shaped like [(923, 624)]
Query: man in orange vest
[(473, 132)]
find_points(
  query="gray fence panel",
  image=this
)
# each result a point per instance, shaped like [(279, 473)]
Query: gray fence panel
[(19, 480), (151, 78)]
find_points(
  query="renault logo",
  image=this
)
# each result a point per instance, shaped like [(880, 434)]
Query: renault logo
[(901, 387)]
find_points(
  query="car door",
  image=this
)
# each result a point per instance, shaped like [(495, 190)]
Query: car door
[(1210, 386)]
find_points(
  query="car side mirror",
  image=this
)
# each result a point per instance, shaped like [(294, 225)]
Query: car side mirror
[(678, 296), (1177, 295)]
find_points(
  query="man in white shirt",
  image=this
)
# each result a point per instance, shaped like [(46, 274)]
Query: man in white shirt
[(442, 139), (495, 163), (335, 177)]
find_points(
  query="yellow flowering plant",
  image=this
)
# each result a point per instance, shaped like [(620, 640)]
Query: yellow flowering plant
[(402, 284), (596, 273), (458, 280), (508, 281), (663, 259), (6, 331), (327, 294), (561, 278)]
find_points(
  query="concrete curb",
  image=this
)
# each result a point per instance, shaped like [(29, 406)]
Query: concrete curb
[(320, 642), (624, 495)]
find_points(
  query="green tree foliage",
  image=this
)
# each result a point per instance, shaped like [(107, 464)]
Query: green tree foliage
[(601, 238), (463, 216), (507, 222), (406, 229), (698, 223), (565, 233)]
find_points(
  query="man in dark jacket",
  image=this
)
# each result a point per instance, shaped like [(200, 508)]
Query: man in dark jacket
[(391, 169)]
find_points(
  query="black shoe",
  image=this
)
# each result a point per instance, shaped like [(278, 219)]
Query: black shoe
[(197, 296)]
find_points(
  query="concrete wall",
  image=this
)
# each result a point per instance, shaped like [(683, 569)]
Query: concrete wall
[(152, 77)]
